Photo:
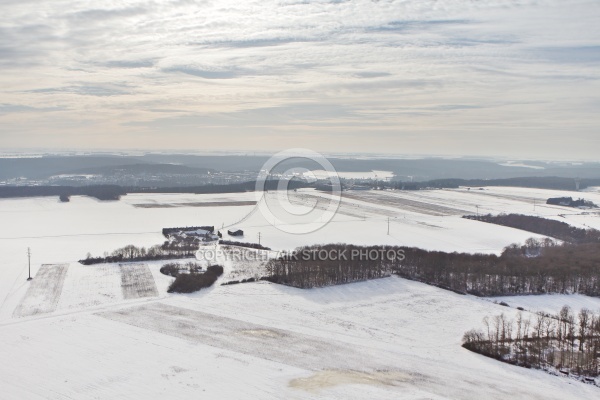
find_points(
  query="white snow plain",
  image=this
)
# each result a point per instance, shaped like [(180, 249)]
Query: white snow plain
[(387, 338)]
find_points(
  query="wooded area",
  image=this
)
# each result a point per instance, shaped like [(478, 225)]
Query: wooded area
[(332, 264), (534, 268), (542, 226), (565, 341), (114, 192)]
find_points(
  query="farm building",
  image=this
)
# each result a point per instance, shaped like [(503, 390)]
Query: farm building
[(205, 235)]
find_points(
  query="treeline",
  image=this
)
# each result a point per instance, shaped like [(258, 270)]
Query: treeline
[(538, 182), (542, 226), (244, 244), (134, 253), (565, 341), (333, 264), (114, 192), (250, 186), (539, 266), (535, 268), (182, 244), (100, 192)]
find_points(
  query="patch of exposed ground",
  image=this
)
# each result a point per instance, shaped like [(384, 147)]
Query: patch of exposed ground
[(137, 281), (44, 291)]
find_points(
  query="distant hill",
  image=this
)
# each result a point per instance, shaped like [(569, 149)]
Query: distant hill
[(44, 167), (136, 169), (426, 169)]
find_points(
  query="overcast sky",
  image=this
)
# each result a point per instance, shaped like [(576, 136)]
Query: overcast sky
[(458, 77)]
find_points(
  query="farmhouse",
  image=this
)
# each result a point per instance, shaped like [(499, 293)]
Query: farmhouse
[(205, 235)]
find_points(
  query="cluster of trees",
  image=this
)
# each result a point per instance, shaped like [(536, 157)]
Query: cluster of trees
[(244, 244), (174, 269), (134, 253), (568, 201), (194, 281), (542, 226), (332, 264), (534, 268), (182, 244), (566, 341)]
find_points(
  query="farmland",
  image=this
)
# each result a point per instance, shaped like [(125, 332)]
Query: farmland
[(97, 327)]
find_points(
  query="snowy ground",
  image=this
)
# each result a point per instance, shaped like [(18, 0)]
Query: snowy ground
[(112, 331), (551, 303)]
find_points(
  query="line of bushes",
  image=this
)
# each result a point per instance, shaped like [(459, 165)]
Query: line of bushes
[(248, 280), (133, 253), (243, 244)]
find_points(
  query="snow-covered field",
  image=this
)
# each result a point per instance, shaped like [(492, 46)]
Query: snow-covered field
[(551, 303), (112, 331)]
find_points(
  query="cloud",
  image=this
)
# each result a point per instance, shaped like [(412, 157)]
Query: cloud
[(85, 90), (569, 54), (129, 63), (99, 15), (203, 73), (372, 74), (418, 67), (249, 43), (19, 108), (417, 25)]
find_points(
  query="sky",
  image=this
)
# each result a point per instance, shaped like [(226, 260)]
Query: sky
[(449, 77)]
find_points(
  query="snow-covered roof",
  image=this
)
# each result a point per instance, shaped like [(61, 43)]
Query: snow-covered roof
[(199, 232)]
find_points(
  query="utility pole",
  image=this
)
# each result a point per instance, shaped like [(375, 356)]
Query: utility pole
[(258, 237), (477, 210), (388, 232), (29, 258)]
